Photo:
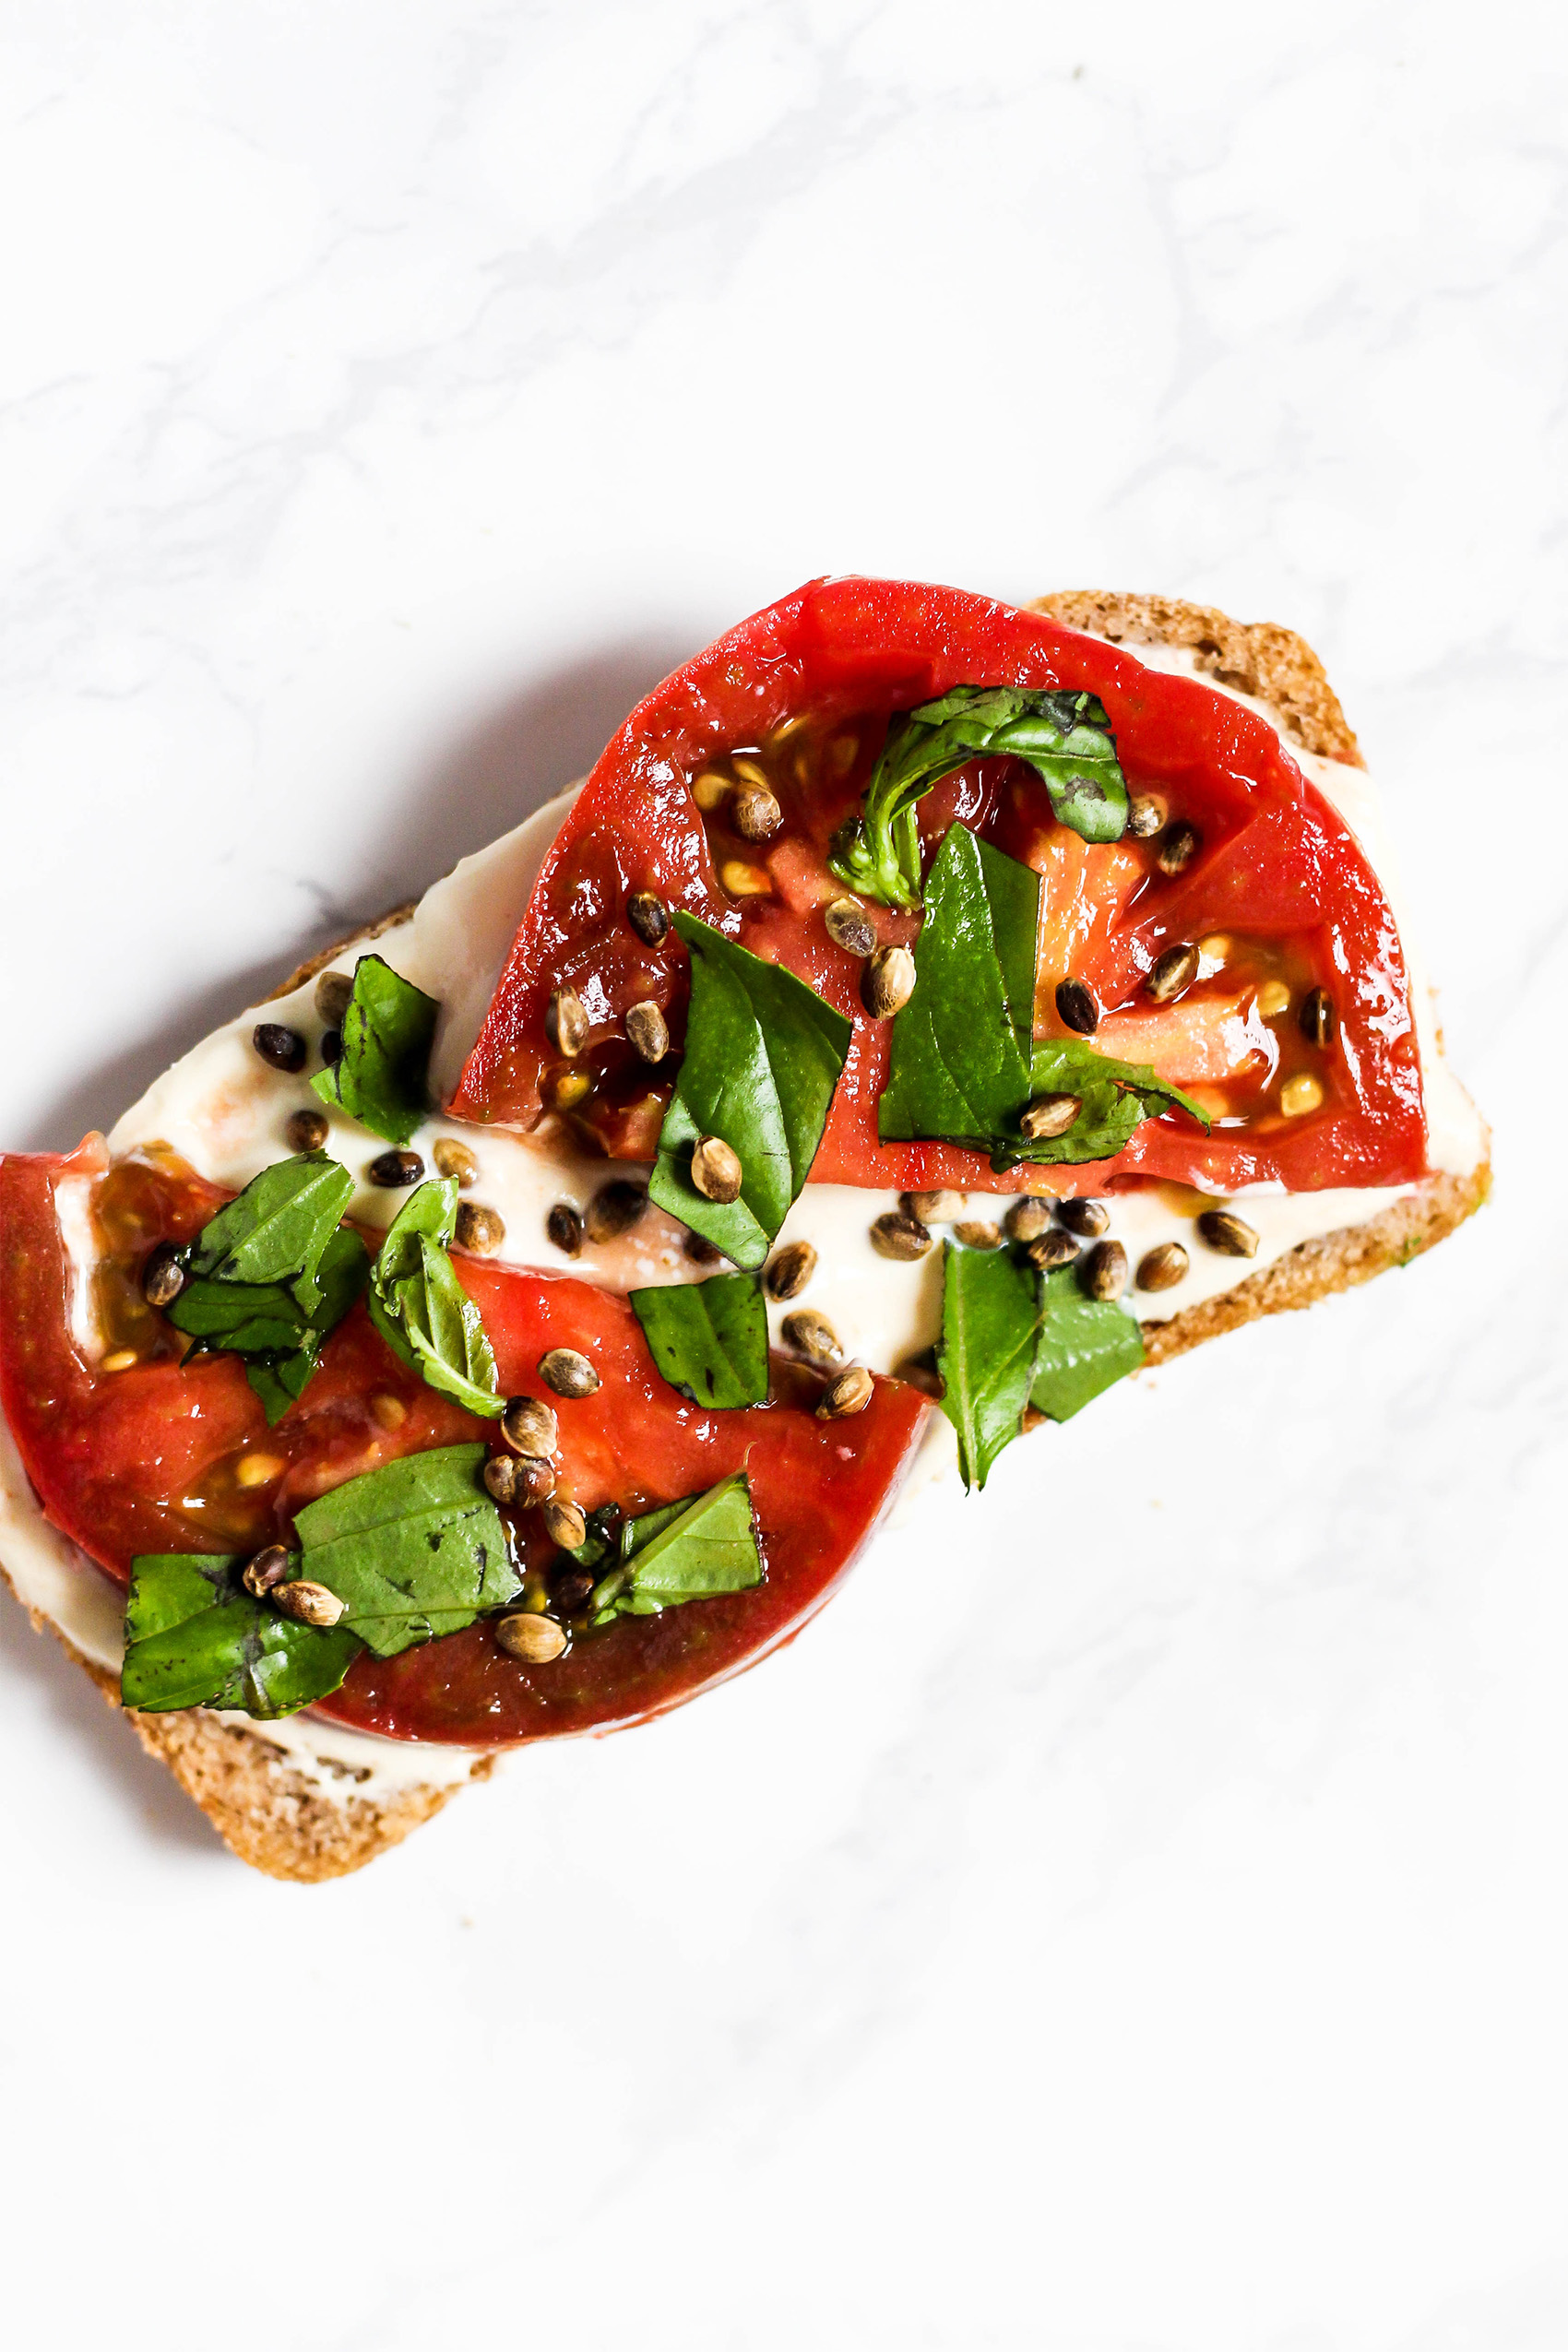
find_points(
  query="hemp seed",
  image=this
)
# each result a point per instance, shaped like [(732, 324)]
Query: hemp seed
[(850, 1393), (162, 1277), (529, 1427), (789, 1270), (529, 1637), (648, 917), (307, 1603), (566, 1022), (716, 1170), (567, 1372), (1228, 1234), (888, 982), (1104, 1272), (282, 1048)]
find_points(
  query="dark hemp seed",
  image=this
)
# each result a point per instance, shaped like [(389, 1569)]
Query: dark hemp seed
[(1076, 1005), (283, 1048)]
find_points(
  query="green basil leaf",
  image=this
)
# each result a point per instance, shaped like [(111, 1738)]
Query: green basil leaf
[(709, 1340), (1117, 1096), (990, 1333), (1087, 1345), (247, 1318), (637, 1533), (414, 1549), (277, 1228), (689, 1551), (281, 1381), (379, 1077), (761, 1058), (195, 1637), (340, 1276), (1064, 736), (265, 1324), (423, 1311), (959, 1065), (962, 1068)]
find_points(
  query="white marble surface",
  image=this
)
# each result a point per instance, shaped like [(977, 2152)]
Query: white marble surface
[(1133, 1919)]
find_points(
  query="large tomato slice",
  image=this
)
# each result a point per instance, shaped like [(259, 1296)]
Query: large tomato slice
[(153, 1456), (805, 689)]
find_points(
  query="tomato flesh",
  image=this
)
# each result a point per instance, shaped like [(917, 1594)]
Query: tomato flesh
[(802, 693), (148, 1458)]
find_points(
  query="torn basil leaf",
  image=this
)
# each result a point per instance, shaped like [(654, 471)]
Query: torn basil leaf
[(1117, 1096), (709, 1340), (1064, 736), (244, 1317), (1086, 1345), (962, 1067), (761, 1058), (959, 1064), (276, 1320), (423, 1311), (195, 1638), (379, 1077), (414, 1549), (693, 1550), (990, 1335), (279, 1381), (277, 1228)]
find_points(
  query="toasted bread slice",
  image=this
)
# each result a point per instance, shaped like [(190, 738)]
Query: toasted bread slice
[(1279, 669), (320, 1824)]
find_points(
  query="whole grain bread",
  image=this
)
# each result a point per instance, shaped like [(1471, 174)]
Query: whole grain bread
[(278, 1819), (1257, 658)]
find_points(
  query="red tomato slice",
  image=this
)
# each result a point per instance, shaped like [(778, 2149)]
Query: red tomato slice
[(147, 1459), (807, 687)]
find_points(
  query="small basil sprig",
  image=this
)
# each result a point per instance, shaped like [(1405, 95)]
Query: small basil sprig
[(379, 1076), (1065, 737), (959, 1063), (195, 1638), (414, 1550), (991, 1332), (763, 1056), (695, 1549), (709, 1340), (272, 1275), (963, 1067), (1087, 1345), (423, 1311), (1117, 1096), (1012, 1337)]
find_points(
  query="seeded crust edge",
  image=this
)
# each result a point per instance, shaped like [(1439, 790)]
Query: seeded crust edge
[(1312, 1270), (1257, 658), (264, 1810), (271, 1817)]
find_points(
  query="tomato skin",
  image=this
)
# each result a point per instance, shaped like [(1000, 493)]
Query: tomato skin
[(1275, 858), (817, 1490), (117, 1457)]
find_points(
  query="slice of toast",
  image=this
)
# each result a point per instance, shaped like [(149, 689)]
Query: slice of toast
[(283, 1820)]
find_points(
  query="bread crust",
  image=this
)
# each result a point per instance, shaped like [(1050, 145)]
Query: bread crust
[(271, 1814), (1336, 1261), (1257, 658)]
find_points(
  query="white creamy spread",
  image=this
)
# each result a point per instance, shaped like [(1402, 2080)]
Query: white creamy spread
[(224, 1111)]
